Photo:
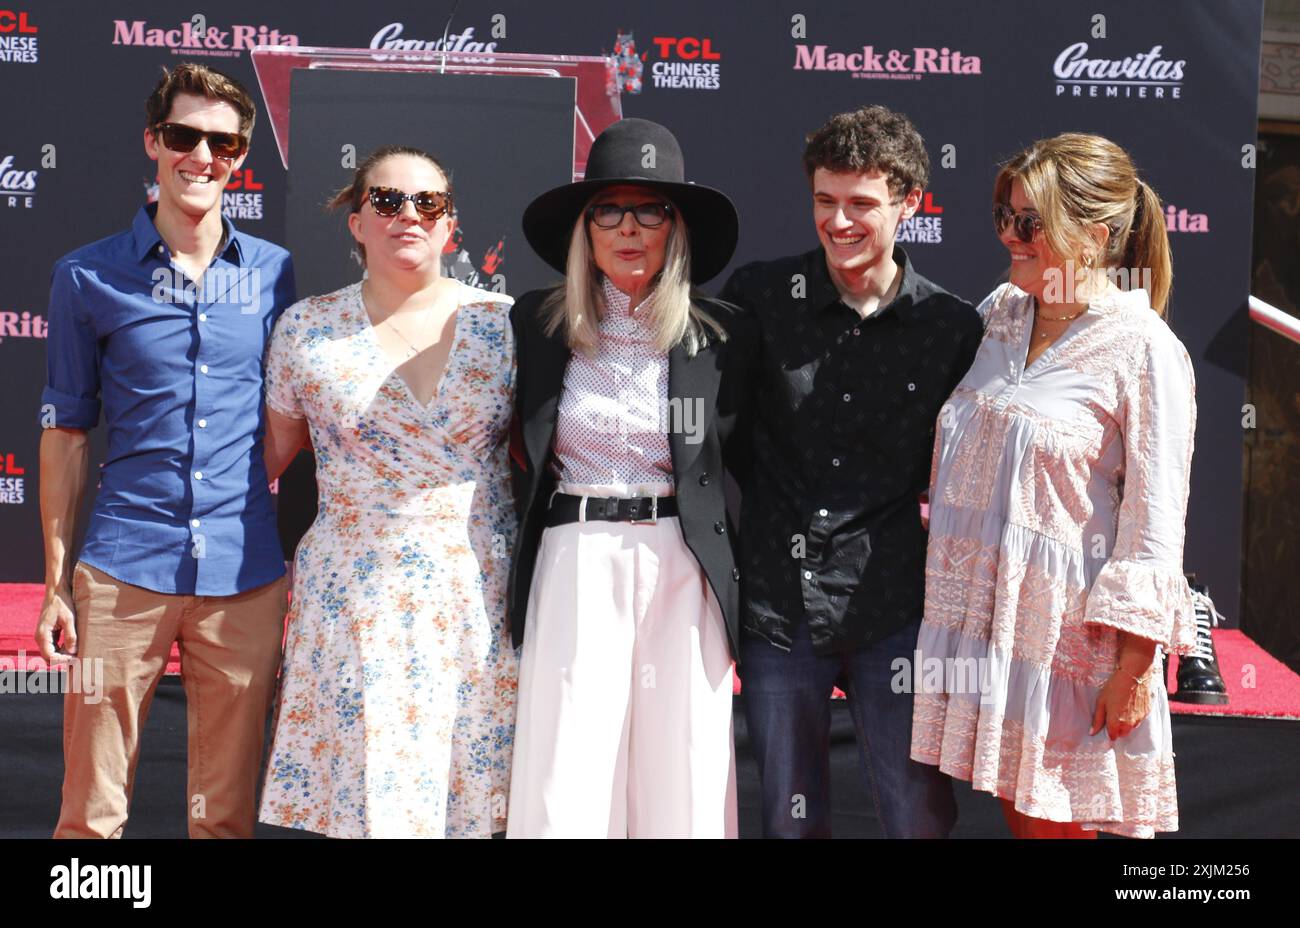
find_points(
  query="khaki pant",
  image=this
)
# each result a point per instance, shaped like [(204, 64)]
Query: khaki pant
[(230, 649)]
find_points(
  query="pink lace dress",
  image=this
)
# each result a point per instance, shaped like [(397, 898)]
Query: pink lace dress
[(1058, 497)]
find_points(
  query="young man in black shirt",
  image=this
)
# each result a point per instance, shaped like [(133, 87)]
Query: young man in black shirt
[(859, 354)]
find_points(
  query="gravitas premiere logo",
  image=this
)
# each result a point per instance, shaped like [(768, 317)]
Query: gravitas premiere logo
[(1144, 75), (17, 186), (390, 37), (890, 64), (197, 37)]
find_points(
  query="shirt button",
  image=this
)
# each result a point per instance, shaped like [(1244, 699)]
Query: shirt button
[(847, 397), (162, 250), (719, 528), (823, 513), (203, 423), (735, 573), (704, 480), (911, 386), (835, 462), (203, 317), (807, 574), (203, 368), (198, 475), (194, 522), (857, 331)]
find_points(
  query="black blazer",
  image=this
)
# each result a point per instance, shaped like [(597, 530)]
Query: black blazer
[(718, 374)]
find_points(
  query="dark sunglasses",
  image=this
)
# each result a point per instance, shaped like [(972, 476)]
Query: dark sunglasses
[(647, 215), (1026, 225), (177, 137), (430, 204)]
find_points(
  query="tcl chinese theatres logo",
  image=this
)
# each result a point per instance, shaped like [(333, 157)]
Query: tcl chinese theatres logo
[(18, 37), (13, 491)]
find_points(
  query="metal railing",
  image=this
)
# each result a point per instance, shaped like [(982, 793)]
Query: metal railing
[(1273, 318)]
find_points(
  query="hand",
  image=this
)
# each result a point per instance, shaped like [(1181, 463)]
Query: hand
[(1122, 704), (57, 618)]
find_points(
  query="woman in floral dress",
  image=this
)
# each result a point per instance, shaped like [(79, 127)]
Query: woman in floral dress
[(396, 710), (1058, 498)]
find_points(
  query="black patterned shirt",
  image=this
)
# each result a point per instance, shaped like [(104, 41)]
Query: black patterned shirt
[(843, 432)]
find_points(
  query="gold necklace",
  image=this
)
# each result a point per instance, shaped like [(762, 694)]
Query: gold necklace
[(1039, 315), (392, 325), (413, 350)]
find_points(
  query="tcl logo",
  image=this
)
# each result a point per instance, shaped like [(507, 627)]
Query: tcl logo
[(243, 180), (16, 22), (686, 48), (8, 466), (929, 207)]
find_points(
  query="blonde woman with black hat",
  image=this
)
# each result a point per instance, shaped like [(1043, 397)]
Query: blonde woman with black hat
[(624, 589)]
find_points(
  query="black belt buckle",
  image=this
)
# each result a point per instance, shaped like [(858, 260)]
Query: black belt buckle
[(654, 511)]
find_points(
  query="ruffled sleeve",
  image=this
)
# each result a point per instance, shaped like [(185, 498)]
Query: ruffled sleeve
[(1142, 589)]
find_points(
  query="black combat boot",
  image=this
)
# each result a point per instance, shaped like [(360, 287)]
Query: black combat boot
[(1199, 680)]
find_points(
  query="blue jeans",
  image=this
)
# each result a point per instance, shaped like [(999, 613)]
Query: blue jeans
[(788, 711)]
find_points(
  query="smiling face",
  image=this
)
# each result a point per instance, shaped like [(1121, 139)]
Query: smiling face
[(192, 181), (1033, 264), (405, 242), (857, 219), (630, 255)]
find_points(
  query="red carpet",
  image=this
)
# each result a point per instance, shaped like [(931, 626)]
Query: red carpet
[(20, 607), (1259, 686)]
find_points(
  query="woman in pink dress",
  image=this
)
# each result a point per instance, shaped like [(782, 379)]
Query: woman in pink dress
[(1059, 491)]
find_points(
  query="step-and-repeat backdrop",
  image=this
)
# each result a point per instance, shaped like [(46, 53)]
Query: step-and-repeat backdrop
[(741, 82)]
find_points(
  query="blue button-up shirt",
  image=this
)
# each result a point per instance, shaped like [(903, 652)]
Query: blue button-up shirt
[(183, 503)]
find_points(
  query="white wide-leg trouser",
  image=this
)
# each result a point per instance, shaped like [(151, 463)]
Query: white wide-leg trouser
[(625, 689)]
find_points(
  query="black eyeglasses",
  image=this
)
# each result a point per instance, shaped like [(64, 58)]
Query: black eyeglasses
[(1026, 225), (430, 204), (647, 215), (182, 138)]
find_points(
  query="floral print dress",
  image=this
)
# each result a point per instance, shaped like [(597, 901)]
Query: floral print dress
[(1057, 505), (397, 700)]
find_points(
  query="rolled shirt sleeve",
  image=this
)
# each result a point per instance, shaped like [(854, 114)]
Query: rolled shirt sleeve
[(1142, 589), (71, 395)]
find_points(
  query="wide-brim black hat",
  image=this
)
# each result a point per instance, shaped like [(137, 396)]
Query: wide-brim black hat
[(620, 155)]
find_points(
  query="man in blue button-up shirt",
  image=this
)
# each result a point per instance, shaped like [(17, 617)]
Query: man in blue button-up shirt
[(163, 328)]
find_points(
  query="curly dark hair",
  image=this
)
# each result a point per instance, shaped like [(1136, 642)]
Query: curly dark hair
[(874, 138)]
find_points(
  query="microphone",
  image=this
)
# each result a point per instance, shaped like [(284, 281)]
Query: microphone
[(445, 32)]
